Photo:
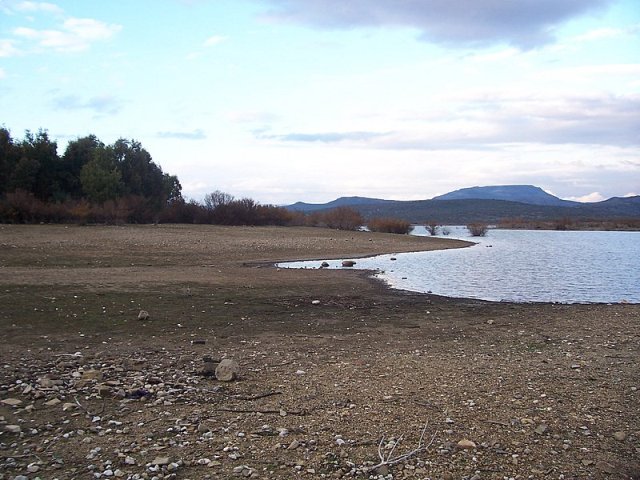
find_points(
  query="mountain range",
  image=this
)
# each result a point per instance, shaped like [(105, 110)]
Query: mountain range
[(487, 204)]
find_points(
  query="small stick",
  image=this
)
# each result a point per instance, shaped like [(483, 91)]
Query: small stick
[(256, 397)]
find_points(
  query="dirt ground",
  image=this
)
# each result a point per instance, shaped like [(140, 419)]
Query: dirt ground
[(338, 376)]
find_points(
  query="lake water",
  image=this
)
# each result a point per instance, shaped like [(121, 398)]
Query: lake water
[(518, 266)]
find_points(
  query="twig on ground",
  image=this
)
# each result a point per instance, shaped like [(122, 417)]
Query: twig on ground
[(389, 460), (264, 412), (256, 397)]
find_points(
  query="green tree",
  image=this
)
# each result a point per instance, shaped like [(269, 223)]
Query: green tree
[(100, 178), (40, 148), (9, 156), (78, 153), (25, 175)]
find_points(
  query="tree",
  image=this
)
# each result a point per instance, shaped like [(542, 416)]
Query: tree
[(24, 175), (216, 199), (9, 156), (78, 153), (39, 148), (100, 178), (172, 188), (432, 227)]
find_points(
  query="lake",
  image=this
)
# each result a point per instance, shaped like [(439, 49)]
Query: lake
[(518, 266)]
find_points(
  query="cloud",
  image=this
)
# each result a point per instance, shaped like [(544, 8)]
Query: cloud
[(591, 197), (489, 120), (2, 74), (33, 7), (8, 48), (214, 40), (323, 137), (100, 105), (75, 34), (251, 116), (525, 23), (197, 134)]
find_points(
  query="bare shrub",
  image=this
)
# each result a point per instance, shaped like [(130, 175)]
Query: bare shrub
[(432, 227), (478, 229), (389, 225), (343, 218)]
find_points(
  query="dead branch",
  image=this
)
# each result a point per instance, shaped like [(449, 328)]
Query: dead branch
[(389, 460), (264, 412), (256, 397)]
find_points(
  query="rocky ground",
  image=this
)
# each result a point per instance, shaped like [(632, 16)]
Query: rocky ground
[(333, 375)]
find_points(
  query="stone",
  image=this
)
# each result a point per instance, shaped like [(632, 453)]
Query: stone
[(466, 444), (348, 263), (53, 402), (620, 436), (324, 264), (227, 370), (160, 461), (12, 428), (143, 315), (11, 402), (129, 460), (382, 470), (69, 406), (315, 302), (541, 429)]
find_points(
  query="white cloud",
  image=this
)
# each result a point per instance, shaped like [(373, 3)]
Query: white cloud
[(214, 40), (631, 194), (591, 197), (76, 34), (486, 120), (38, 7), (100, 105), (8, 48)]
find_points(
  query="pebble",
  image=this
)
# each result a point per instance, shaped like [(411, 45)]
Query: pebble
[(620, 436), (227, 370), (12, 402), (466, 444)]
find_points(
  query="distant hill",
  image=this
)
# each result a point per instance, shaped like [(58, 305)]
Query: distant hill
[(529, 194), (339, 202), (531, 203)]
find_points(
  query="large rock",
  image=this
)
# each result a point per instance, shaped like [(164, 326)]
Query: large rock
[(143, 315), (227, 370)]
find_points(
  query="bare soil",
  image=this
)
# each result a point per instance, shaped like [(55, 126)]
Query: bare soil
[(331, 363)]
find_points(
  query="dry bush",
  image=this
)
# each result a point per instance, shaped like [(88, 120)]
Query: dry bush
[(389, 225), (478, 229), (343, 218), (432, 227)]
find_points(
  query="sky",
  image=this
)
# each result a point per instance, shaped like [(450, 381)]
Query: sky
[(310, 100)]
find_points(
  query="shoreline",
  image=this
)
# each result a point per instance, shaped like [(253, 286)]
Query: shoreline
[(330, 362)]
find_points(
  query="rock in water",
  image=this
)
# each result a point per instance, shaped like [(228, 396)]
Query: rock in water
[(227, 370), (348, 263), (143, 315)]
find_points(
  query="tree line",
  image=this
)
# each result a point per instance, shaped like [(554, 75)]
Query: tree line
[(92, 182)]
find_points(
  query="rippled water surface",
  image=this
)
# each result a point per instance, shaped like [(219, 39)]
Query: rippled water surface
[(519, 265)]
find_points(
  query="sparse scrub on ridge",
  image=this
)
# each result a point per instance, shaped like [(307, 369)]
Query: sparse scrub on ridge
[(389, 225), (478, 229)]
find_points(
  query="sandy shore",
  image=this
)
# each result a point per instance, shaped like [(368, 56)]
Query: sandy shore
[(330, 363)]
